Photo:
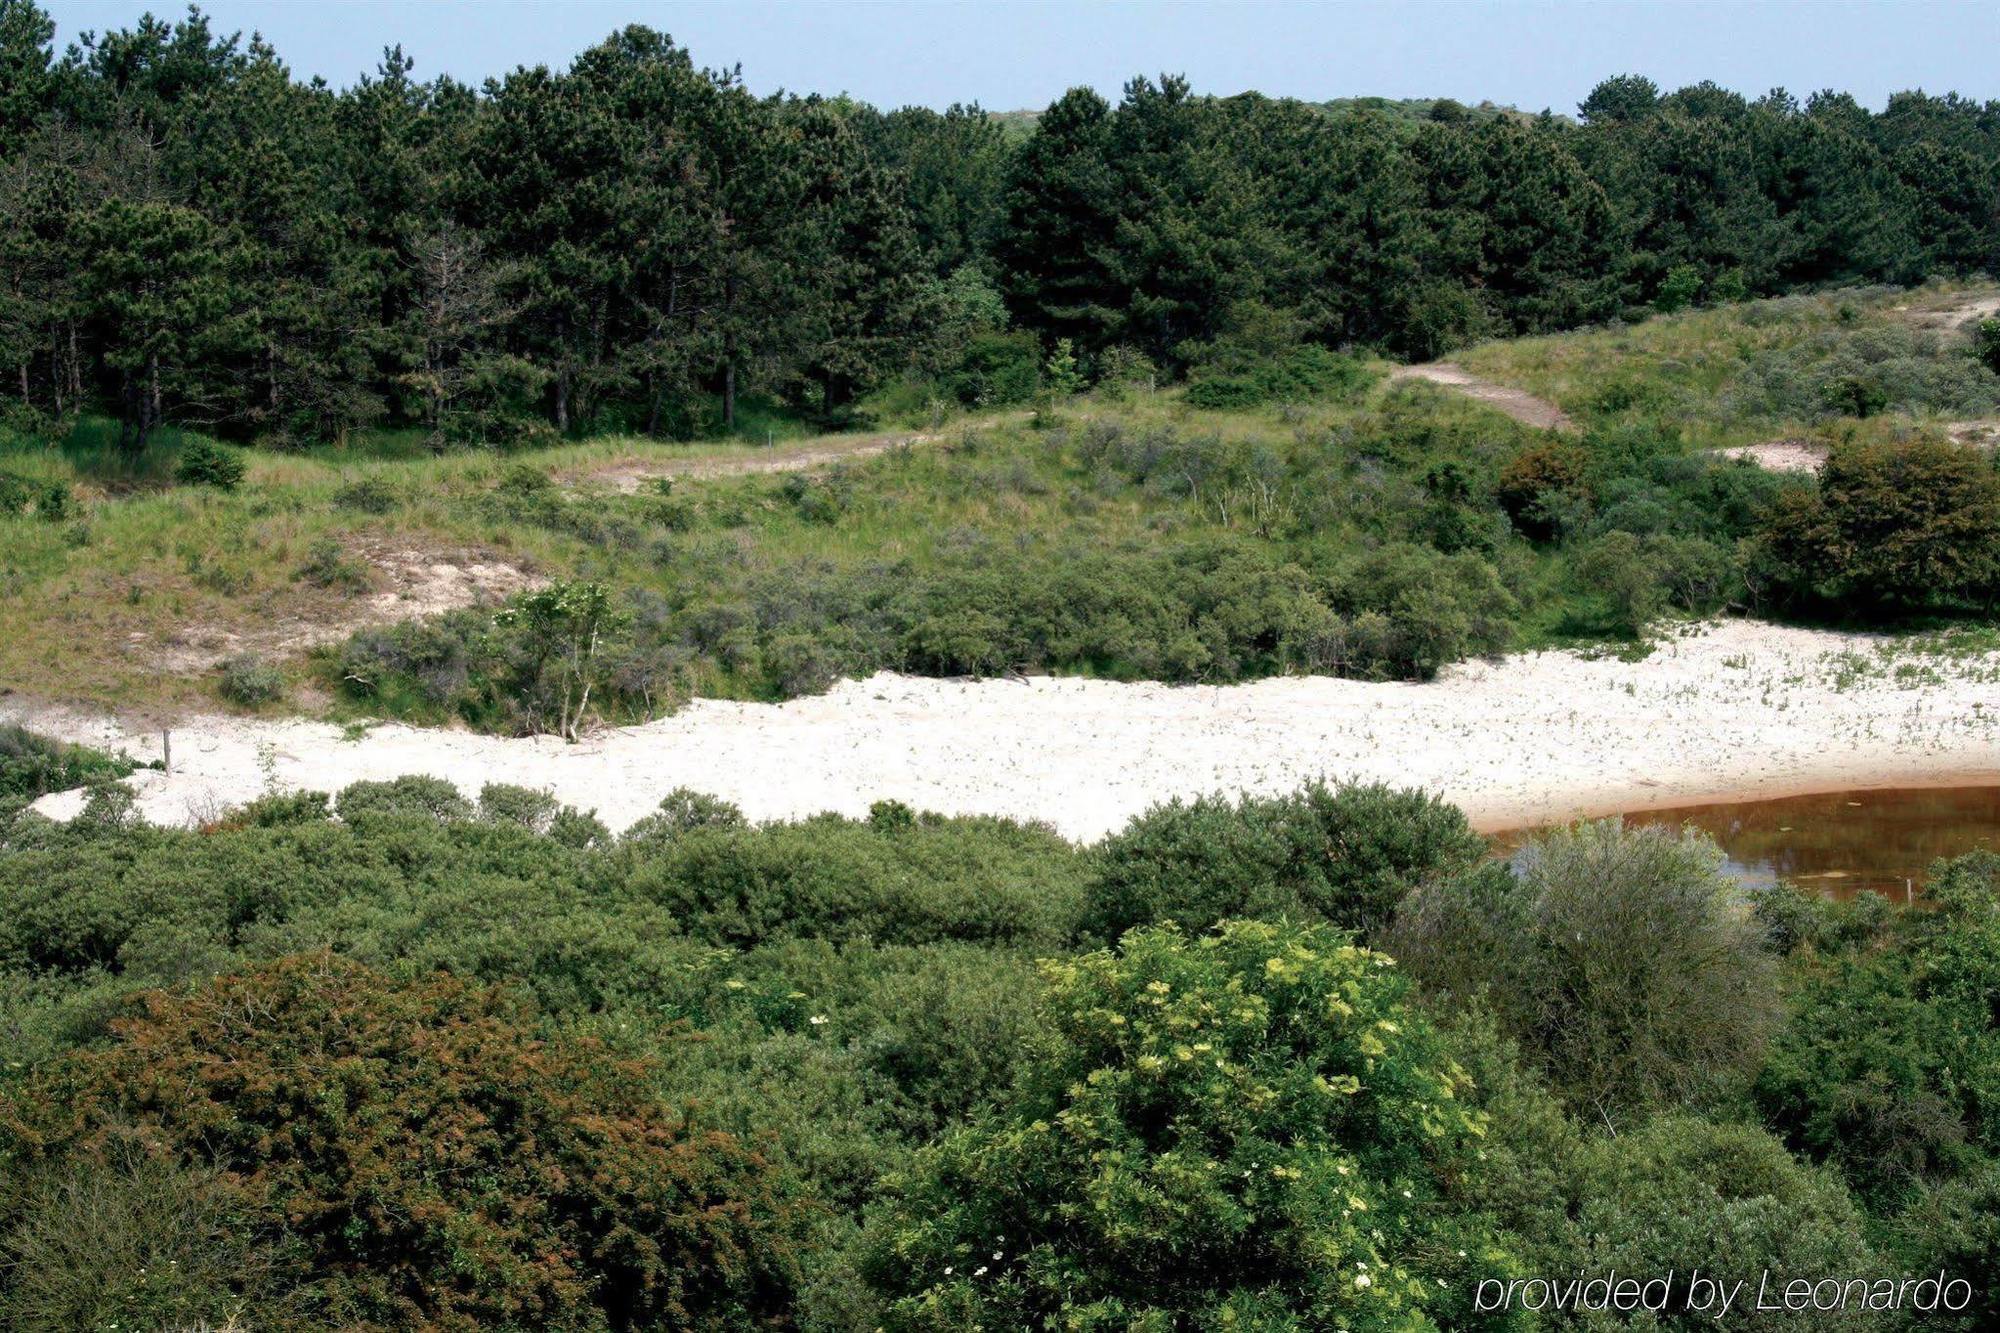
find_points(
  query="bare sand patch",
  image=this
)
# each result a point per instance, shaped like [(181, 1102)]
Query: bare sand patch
[(1952, 312), (406, 582), (1519, 404), (1734, 708), (1982, 434), (1780, 455)]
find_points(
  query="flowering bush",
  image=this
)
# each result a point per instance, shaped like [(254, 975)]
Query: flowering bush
[(1247, 1129)]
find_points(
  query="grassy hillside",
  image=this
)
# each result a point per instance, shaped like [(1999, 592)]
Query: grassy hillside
[(1742, 374), (1333, 520)]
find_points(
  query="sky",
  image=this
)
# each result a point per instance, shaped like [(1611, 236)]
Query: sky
[(1024, 53)]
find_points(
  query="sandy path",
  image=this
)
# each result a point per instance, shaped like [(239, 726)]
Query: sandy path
[(1735, 708), (630, 474), (1524, 407)]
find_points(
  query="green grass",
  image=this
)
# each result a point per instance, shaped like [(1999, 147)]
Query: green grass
[(1686, 373)]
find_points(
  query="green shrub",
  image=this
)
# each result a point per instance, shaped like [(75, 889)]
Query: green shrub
[(48, 499), (983, 880), (1890, 1066), (1678, 1195), (1890, 525), (681, 811), (1305, 373), (249, 680), (203, 463), (410, 797), (1861, 1078), (1245, 1129), (997, 370), (1862, 370), (1415, 611), (1620, 958), (368, 495), (129, 1236), (1954, 1227), (394, 1132), (1345, 854), (1986, 344), (32, 765), (326, 566), (1679, 289)]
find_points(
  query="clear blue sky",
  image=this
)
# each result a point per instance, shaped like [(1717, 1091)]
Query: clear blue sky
[(1531, 53)]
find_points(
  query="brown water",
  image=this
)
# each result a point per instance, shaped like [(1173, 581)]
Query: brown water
[(1840, 843)]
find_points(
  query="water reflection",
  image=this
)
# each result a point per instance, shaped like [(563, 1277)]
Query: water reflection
[(1840, 843)]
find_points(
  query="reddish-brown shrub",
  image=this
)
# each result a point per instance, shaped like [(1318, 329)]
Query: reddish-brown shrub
[(438, 1163), (1535, 482)]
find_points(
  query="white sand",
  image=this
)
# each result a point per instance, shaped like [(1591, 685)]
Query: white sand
[(1780, 455), (1735, 708)]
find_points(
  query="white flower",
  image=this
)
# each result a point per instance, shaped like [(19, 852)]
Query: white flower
[(1364, 1281), (947, 1270), (817, 1020), (979, 1271)]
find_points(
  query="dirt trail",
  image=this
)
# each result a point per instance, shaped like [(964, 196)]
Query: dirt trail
[(630, 474), (1736, 708), (1955, 312), (1519, 404)]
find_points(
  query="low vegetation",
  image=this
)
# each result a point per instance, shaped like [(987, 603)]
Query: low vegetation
[(1170, 1076), (1384, 532)]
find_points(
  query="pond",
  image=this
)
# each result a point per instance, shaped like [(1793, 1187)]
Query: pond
[(1840, 843)]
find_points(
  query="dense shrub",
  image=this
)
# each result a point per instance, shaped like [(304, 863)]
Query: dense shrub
[(1679, 1195), (1539, 485), (47, 499), (1953, 1227), (202, 463), (1892, 524), (32, 765), (1299, 374), (1639, 578), (1621, 958), (1863, 370), (997, 370), (986, 880), (1345, 854), (407, 797), (1890, 1066), (1986, 344), (1242, 1129), (1414, 612), (352, 1116), (128, 1236), (1216, 609)]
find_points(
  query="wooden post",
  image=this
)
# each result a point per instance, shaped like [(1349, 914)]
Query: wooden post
[(167, 752)]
